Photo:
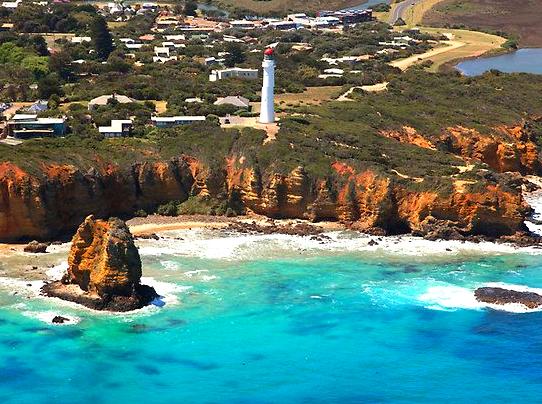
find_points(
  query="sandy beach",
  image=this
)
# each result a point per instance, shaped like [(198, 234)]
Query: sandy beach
[(143, 226)]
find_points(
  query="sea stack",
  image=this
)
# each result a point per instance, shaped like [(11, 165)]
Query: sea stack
[(104, 269)]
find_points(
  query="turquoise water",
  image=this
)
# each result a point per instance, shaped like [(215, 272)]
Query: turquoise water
[(274, 321), (520, 61)]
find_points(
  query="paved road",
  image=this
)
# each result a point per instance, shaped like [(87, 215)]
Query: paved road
[(400, 10)]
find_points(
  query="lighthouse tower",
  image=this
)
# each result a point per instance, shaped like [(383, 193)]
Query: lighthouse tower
[(267, 113)]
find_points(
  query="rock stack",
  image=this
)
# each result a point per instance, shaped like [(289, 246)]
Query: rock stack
[(104, 269)]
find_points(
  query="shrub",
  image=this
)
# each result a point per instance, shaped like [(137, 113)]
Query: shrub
[(168, 209)]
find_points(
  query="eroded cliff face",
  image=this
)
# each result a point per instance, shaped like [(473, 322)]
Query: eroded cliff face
[(368, 201), (508, 148), (53, 203)]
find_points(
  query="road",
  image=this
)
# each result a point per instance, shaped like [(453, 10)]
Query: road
[(375, 88), (400, 9), (449, 46)]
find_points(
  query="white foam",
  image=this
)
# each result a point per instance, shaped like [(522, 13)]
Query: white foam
[(168, 291), (534, 199), (169, 265), (57, 272), (227, 246), (451, 297), (47, 317), (21, 286)]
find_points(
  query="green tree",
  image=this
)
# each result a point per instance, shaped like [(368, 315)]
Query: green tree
[(60, 63), (235, 54), (48, 86), (101, 38), (190, 8), (38, 65), (10, 53)]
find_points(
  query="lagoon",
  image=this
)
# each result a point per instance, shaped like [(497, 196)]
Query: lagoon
[(521, 61)]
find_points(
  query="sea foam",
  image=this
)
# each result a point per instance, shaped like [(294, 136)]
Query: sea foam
[(230, 246), (451, 298)]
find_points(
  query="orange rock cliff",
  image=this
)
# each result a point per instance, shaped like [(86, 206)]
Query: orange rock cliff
[(52, 204)]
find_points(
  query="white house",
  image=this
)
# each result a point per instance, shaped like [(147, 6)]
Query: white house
[(80, 39), (234, 72), (118, 128), (133, 46), (105, 99), (162, 51), (243, 24), (11, 4), (175, 37)]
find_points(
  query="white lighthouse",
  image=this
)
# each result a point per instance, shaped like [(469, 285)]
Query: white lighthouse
[(267, 113)]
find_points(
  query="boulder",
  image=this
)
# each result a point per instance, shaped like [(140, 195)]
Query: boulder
[(504, 296), (104, 269), (60, 320), (35, 247)]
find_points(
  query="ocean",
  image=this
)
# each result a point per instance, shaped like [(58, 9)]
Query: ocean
[(282, 319)]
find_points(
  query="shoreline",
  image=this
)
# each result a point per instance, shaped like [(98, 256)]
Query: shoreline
[(146, 226), (153, 225)]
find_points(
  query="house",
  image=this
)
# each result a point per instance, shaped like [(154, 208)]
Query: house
[(162, 54), (234, 72), (118, 128), (164, 23), (149, 7), (349, 16), (243, 24), (147, 37), (237, 101), (171, 121), (133, 46), (7, 26), (193, 100), (283, 25), (334, 71), (26, 126), (106, 99), (175, 37), (114, 8), (80, 39), (212, 61), (161, 51), (230, 38), (11, 4), (38, 106)]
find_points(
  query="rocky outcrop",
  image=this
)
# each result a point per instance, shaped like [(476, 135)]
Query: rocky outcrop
[(503, 296), (507, 148), (35, 247), (104, 269)]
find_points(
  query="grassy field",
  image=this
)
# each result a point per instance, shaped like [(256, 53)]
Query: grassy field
[(311, 96), (290, 5), (517, 17)]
